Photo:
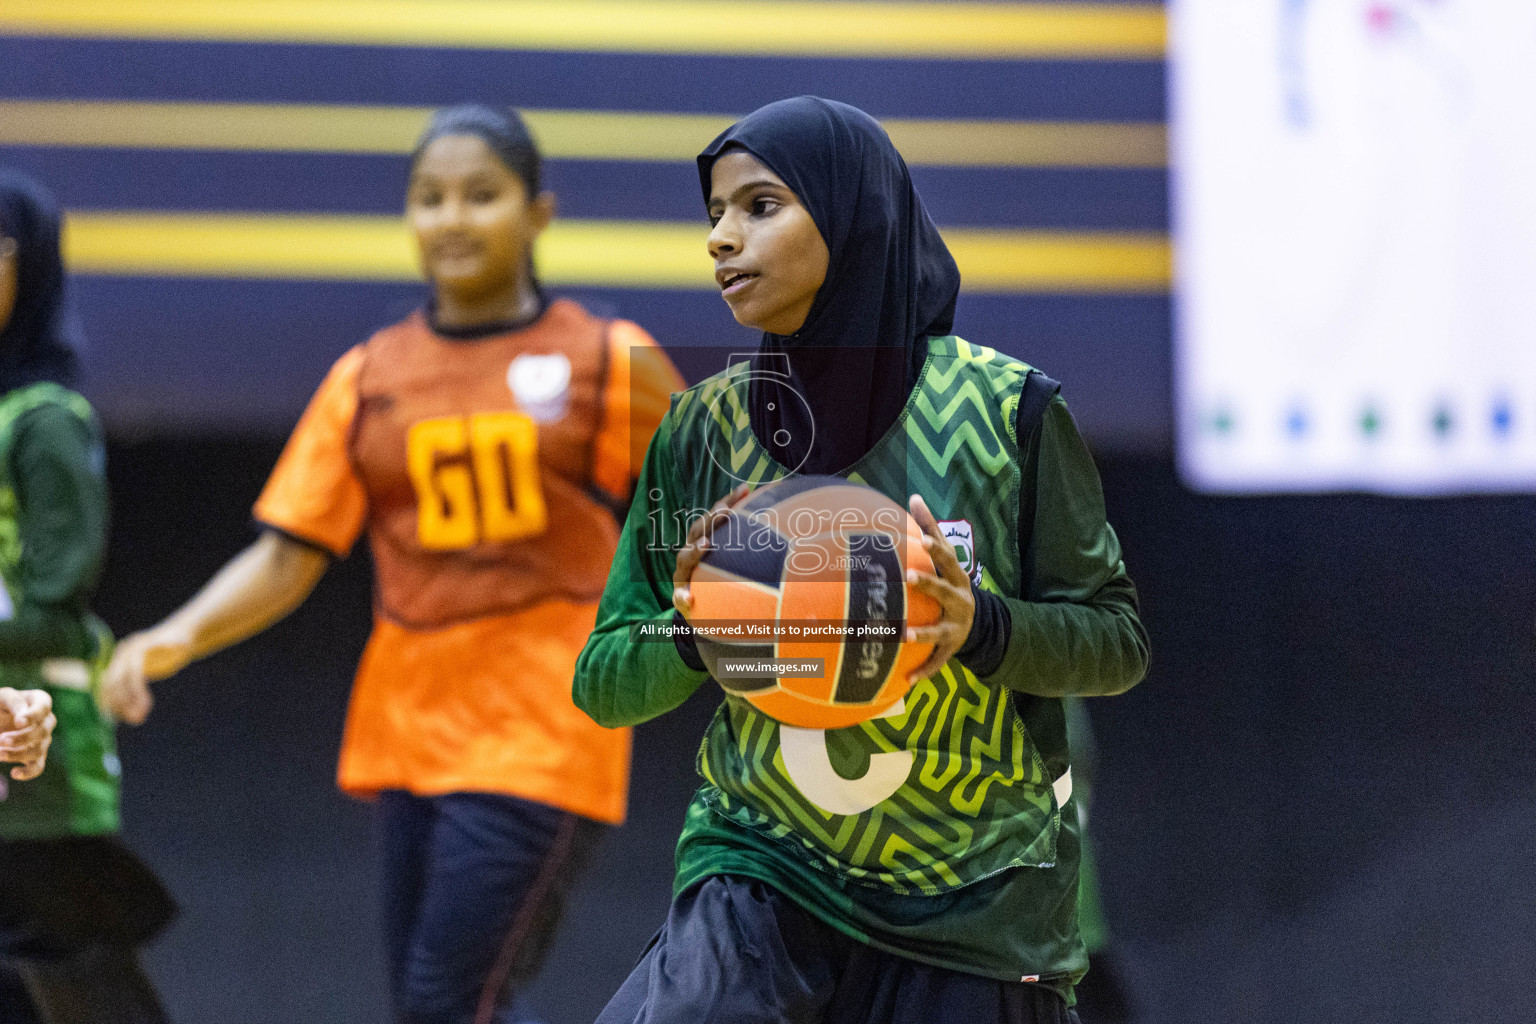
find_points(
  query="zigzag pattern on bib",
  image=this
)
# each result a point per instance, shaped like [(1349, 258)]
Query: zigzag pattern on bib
[(977, 799)]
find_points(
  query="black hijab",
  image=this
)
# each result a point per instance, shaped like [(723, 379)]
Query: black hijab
[(41, 339), (891, 283)]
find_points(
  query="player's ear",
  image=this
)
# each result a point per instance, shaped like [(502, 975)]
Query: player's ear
[(7, 279), (541, 211)]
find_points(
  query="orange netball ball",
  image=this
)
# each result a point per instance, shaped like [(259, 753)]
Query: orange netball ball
[(808, 568)]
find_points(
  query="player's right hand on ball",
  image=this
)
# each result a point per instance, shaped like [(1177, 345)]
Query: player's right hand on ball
[(691, 553), (140, 658)]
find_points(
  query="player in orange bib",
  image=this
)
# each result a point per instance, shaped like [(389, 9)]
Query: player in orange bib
[(483, 444)]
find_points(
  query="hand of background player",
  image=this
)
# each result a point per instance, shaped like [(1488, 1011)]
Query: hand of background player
[(951, 588), (26, 730), (140, 658), (691, 553)]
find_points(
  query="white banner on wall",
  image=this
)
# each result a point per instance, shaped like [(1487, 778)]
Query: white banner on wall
[(1355, 219)]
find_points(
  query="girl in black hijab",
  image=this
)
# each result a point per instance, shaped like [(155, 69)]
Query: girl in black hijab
[(40, 338), (74, 902), (26, 718), (938, 892), (890, 284)]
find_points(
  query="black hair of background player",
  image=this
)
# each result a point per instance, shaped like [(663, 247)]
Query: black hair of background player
[(891, 283), (42, 339), (503, 130)]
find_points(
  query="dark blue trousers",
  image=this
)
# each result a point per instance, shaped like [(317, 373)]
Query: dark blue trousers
[(474, 884), (736, 951)]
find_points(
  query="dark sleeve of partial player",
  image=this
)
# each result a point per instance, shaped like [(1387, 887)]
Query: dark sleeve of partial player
[(56, 463), (1080, 631)]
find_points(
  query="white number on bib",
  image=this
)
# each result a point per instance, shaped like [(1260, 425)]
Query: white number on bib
[(810, 769)]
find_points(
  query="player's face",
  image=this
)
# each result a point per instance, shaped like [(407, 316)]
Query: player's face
[(7, 279), (770, 259), (473, 219)]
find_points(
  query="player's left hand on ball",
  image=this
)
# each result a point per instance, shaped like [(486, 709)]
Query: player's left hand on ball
[(26, 730), (951, 588), (697, 545)]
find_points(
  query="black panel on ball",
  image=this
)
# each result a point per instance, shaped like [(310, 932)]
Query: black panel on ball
[(783, 490), (751, 550), (877, 596)]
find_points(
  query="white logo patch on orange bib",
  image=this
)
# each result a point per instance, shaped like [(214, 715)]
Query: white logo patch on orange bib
[(541, 385)]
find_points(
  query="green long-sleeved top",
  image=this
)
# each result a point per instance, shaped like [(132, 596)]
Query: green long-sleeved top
[(53, 525), (1078, 632), (61, 495)]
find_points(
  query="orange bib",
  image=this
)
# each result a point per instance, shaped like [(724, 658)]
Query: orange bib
[(477, 457)]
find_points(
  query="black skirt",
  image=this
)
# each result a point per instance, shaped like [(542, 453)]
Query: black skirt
[(58, 896)]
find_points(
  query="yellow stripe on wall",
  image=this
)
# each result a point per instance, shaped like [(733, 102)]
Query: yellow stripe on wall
[(1029, 143), (1060, 261), (278, 246), (624, 254), (281, 128), (758, 27), (562, 134)]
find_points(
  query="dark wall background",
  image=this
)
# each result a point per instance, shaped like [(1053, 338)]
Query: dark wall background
[(190, 355), (1321, 804)]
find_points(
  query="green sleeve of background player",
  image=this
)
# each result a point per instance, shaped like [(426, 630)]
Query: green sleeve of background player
[(1081, 632), (620, 681), (62, 498)]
